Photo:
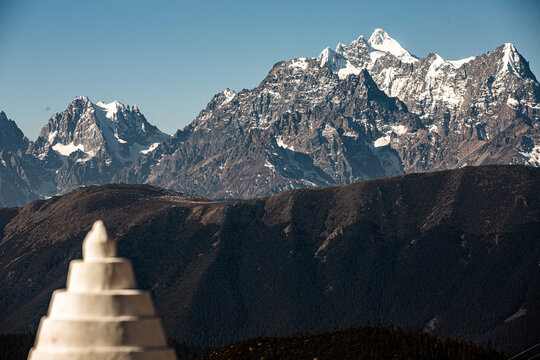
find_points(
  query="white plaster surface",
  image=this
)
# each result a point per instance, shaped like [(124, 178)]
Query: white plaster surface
[(101, 314), (92, 276)]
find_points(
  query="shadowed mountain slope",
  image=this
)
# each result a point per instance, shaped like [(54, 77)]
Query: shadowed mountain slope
[(454, 252), (363, 342)]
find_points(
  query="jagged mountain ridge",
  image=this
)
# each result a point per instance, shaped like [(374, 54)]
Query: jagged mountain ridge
[(111, 129), (465, 104), (364, 110), (302, 123), (88, 143), (84, 145), (453, 252), (286, 133), (22, 176)]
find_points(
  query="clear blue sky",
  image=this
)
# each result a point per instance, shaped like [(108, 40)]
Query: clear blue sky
[(171, 57)]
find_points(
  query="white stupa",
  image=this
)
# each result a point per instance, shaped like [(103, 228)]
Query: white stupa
[(101, 314)]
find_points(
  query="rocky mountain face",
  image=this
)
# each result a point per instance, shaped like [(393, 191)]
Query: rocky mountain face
[(364, 110), (88, 143), (21, 175), (453, 252), (85, 144), (478, 110), (300, 127)]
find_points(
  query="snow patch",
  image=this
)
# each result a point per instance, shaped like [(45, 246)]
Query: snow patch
[(272, 93), (433, 128), (332, 60), (110, 109), (83, 160), (382, 141), (281, 143), (66, 150), (532, 157), (348, 70), (109, 124), (269, 165), (378, 45), (513, 103), (399, 129), (510, 59), (121, 141), (300, 63), (328, 131), (437, 64), (323, 246), (151, 148), (374, 55), (458, 63), (52, 136), (385, 140), (229, 95)]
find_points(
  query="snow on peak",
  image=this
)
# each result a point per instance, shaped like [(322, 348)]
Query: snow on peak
[(337, 62), (511, 59), (379, 37), (379, 44), (66, 150), (459, 63), (123, 147), (437, 63), (300, 63), (111, 108), (381, 41), (229, 95), (332, 59)]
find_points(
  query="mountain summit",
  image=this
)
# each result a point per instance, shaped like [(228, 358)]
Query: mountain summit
[(88, 143), (382, 42), (363, 110)]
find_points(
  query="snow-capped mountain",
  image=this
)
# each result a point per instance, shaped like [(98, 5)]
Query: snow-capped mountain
[(88, 143), (468, 105), (85, 144), (302, 126), (112, 130), (363, 110)]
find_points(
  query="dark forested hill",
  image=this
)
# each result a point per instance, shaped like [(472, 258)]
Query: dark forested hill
[(360, 342), (454, 252)]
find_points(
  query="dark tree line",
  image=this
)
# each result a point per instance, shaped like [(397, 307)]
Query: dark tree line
[(370, 342)]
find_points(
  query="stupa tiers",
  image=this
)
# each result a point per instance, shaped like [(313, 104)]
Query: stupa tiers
[(101, 315)]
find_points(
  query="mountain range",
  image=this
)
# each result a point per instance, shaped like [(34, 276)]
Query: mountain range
[(454, 253), (364, 110)]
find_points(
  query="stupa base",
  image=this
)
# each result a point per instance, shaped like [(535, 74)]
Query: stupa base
[(110, 353)]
